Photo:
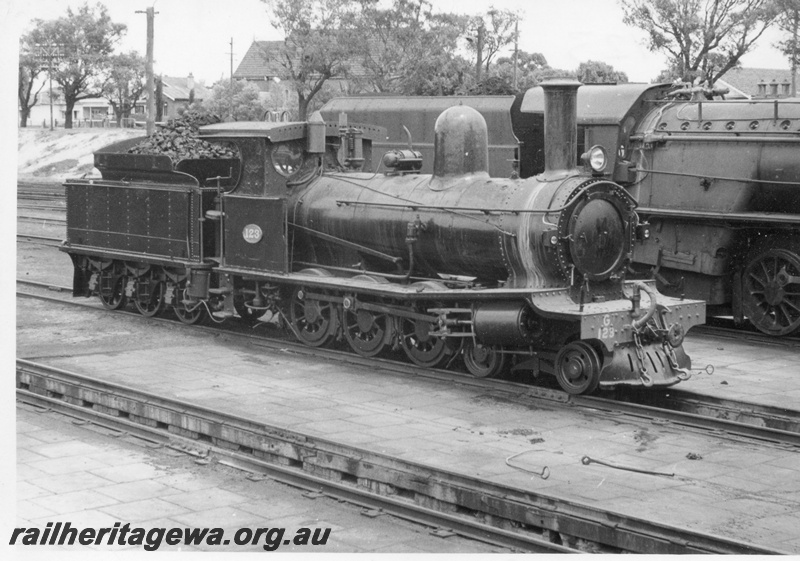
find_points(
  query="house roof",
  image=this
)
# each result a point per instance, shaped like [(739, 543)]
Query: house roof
[(262, 62), (746, 80), (178, 89), (259, 63)]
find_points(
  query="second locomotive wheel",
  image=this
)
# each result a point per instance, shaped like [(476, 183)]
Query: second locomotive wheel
[(483, 361), (112, 290), (366, 331), (771, 291), (314, 321), (577, 368), (152, 303)]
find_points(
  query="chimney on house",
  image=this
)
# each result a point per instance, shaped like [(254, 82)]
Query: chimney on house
[(190, 82)]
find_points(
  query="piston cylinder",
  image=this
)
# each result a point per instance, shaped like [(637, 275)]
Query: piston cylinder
[(510, 324)]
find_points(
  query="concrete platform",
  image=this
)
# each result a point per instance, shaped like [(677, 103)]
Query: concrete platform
[(737, 489), (69, 473)]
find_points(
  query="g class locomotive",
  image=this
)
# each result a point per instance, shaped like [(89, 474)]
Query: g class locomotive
[(452, 265), (718, 181)]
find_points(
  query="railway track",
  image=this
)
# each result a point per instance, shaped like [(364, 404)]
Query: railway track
[(523, 520), (50, 208), (706, 413), (40, 192), (40, 240), (42, 219), (746, 334)]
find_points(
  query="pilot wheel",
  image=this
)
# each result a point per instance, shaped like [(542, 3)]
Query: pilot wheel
[(483, 361), (577, 368)]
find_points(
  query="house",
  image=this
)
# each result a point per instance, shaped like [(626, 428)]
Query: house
[(177, 93), (757, 83), (91, 112), (261, 65)]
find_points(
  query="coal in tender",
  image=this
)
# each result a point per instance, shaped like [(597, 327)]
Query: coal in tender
[(179, 139)]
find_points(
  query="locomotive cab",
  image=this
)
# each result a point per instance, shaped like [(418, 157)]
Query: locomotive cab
[(277, 156)]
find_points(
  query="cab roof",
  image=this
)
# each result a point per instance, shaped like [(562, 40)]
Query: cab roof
[(600, 104), (281, 131)]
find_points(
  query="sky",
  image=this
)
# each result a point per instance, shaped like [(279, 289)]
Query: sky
[(194, 35)]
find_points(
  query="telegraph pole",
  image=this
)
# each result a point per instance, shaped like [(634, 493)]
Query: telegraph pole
[(232, 92), (479, 49), (795, 52), (516, 49), (151, 94), (49, 51)]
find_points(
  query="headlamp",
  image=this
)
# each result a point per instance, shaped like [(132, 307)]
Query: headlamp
[(595, 158)]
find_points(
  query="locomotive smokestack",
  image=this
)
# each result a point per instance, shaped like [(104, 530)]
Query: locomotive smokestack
[(560, 125)]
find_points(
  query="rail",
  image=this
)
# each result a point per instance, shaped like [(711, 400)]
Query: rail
[(353, 473)]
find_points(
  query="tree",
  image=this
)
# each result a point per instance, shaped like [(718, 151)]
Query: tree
[(489, 33), (530, 67), (239, 100), (159, 95), (395, 39), (494, 85), (594, 71), (125, 83), (319, 43), (789, 22), (29, 69), (704, 38), (436, 75), (87, 37)]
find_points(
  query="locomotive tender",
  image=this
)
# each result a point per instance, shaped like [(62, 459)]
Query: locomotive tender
[(718, 182), (452, 265)]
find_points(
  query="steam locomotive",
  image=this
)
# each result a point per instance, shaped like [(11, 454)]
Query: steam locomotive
[(718, 182), (450, 267)]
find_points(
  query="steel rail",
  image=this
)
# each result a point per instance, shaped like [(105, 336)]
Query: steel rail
[(42, 219), (738, 419), (297, 478), (354, 471), (42, 240)]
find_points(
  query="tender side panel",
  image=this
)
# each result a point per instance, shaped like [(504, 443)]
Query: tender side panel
[(255, 233), (157, 221)]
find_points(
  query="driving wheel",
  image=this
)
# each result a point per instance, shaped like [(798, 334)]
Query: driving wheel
[(422, 348), (314, 321), (771, 292), (366, 331)]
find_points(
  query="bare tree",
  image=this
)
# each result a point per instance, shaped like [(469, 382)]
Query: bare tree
[(701, 37), (30, 67), (489, 33)]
